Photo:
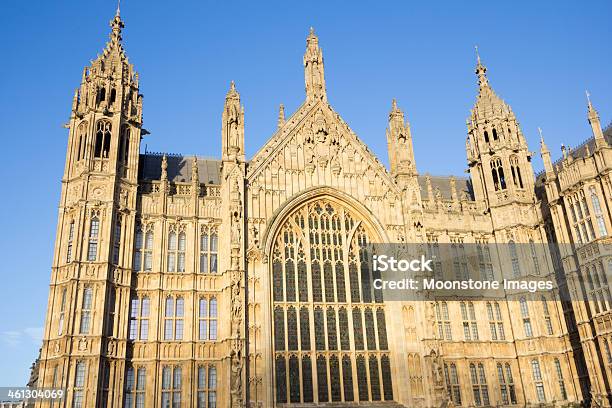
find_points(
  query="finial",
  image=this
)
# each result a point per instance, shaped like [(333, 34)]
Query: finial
[(117, 13), (564, 151), (164, 168), (590, 105), (481, 71), (232, 86), (281, 115), (312, 30), (194, 170), (393, 104), (541, 136)]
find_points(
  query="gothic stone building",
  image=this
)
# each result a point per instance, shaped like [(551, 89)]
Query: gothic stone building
[(189, 282)]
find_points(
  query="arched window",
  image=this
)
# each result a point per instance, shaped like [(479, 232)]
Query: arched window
[(207, 319), (516, 268), (113, 96), (176, 251), (444, 326), (547, 319), (94, 230), (320, 297), (607, 349), (70, 242), (486, 136), (80, 380), (124, 150), (103, 139), (62, 313), (135, 384), (86, 305), (281, 379), (139, 318), (534, 257), (506, 384), (117, 241), (537, 378), (143, 248), (526, 318), (101, 95), (601, 224), (171, 386), (562, 390), (495, 134), (81, 141), (452, 383), (479, 384), (208, 250), (497, 172), (496, 323), (516, 172), (173, 318)]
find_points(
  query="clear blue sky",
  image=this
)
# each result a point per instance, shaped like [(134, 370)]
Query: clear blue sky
[(541, 57)]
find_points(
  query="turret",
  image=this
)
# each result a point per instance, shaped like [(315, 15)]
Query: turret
[(593, 116), (545, 153), (499, 160), (399, 142)]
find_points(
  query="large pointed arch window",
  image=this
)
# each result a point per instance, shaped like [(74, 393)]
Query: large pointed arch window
[(103, 139), (497, 172), (322, 292)]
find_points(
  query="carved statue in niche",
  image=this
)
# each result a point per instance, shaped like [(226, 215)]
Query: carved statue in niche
[(236, 307), (436, 368), (232, 125), (236, 378)]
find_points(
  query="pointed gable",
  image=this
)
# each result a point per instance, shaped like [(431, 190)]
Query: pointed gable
[(316, 137)]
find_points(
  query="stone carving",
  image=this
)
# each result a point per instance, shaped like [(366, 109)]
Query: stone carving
[(83, 344), (437, 374), (236, 378)]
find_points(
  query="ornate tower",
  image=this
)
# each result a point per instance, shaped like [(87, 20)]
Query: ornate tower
[(313, 68), (90, 283), (499, 159), (233, 126)]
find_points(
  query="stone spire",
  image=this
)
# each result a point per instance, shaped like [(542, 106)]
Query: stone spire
[(399, 142), (313, 68), (595, 123), (545, 153), (281, 115), (115, 46), (488, 104)]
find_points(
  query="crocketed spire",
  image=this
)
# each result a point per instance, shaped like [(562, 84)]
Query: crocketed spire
[(488, 104), (314, 74)]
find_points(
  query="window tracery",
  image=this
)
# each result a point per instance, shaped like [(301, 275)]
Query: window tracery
[(322, 292)]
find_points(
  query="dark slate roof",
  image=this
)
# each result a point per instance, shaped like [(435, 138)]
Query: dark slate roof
[(581, 150), (179, 168), (443, 183)]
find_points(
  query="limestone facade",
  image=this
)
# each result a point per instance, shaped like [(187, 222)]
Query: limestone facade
[(192, 282)]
